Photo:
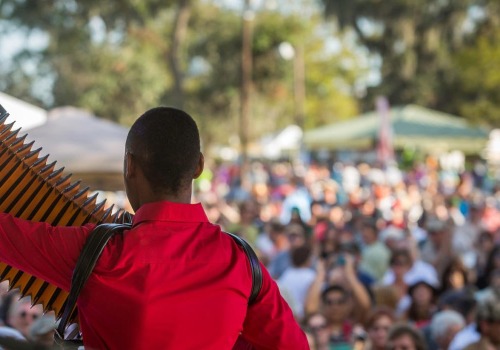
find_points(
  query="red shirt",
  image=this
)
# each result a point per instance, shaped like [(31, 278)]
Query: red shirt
[(174, 281)]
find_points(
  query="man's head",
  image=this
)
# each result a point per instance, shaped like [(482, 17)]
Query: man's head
[(369, 231), (43, 329), (296, 234), (21, 315), (404, 336), (301, 256), (488, 320), (337, 303), (162, 156), (444, 325)]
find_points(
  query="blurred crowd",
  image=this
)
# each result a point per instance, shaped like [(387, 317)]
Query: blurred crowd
[(372, 257), (367, 257), (22, 323)]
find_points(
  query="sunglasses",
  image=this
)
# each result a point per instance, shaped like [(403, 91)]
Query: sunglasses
[(24, 314)]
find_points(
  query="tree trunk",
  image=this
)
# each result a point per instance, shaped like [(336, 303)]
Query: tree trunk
[(174, 54)]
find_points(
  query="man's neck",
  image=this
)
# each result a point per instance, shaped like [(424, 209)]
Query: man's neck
[(151, 197)]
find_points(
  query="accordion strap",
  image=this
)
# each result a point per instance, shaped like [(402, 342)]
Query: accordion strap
[(85, 264), (95, 245), (254, 265)]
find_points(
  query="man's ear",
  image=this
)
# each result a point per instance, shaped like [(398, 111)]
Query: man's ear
[(129, 166), (199, 168)]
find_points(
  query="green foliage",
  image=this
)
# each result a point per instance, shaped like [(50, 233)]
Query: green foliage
[(416, 40), (479, 80), (112, 58)]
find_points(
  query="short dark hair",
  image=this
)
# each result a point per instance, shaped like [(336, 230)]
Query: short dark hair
[(401, 329), (166, 143), (378, 312), (276, 226), (400, 253), (334, 288), (300, 255)]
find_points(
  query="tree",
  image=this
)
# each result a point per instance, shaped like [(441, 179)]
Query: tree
[(217, 47), (416, 40), (119, 58), (478, 79), (103, 57)]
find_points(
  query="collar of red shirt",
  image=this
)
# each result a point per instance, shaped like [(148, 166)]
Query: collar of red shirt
[(170, 211)]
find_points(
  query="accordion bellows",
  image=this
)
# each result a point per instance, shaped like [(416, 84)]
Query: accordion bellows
[(34, 190)]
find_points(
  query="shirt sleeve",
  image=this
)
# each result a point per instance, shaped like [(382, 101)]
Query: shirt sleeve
[(269, 323), (45, 251)]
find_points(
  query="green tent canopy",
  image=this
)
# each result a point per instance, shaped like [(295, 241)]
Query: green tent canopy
[(413, 126)]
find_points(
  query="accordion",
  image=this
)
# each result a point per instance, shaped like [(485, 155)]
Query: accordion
[(34, 190)]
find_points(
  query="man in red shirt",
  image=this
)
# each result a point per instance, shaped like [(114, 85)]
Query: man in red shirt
[(174, 280)]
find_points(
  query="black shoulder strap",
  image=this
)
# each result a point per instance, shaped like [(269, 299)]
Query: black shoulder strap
[(93, 248), (85, 264), (254, 265)]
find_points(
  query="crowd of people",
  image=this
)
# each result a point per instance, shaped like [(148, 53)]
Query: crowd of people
[(370, 257), (367, 257), (21, 322)]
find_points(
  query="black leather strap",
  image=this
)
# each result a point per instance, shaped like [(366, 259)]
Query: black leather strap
[(93, 248), (84, 265), (254, 265)]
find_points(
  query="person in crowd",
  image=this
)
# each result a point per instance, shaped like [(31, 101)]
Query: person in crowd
[(375, 254), (264, 245), (352, 249), (296, 279), (437, 249), (422, 293), (341, 272), (10, 302), (337, 306), (404, 336), (455, 276), (394, 238), (41, 332), (296, 203), (488, 324), (492, 263), (246, 226), (464, 302), (296, 237), (444, 326), (172, 272), (483, 248), (466, 236), (386, 296), (328, 244), (316, 327), (377, 326), (493, 288), (21, 315), (278, 239), (399, 264), (411, 270)]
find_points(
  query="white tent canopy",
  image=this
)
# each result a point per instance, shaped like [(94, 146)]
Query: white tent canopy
[(24, 114), (287, 140), (89, 147)]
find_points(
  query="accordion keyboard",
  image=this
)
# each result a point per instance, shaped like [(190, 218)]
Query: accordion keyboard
[(34, 190)]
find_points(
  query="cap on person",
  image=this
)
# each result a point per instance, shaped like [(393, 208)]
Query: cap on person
[(426, 280), (42, 326)]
